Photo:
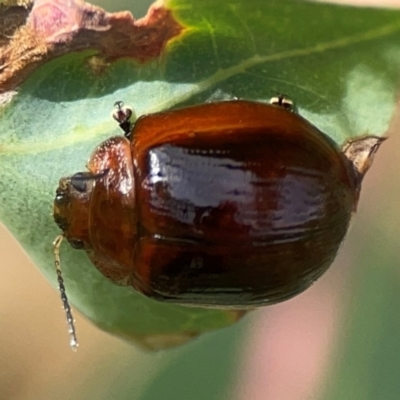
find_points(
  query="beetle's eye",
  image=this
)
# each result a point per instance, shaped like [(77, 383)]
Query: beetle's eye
[(79, 181)]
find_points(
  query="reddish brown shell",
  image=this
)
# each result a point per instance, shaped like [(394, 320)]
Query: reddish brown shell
[(231, 204)]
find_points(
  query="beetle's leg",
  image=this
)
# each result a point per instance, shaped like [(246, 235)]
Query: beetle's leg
[(125, 117), (282, 100)]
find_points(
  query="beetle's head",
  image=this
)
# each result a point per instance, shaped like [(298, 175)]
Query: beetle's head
[(71, 207)]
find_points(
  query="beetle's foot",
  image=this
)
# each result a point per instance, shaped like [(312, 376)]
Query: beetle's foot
[(283, 101), (124, 116)]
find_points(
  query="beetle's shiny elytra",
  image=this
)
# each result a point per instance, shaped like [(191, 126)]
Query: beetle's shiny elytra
[(230, 204)]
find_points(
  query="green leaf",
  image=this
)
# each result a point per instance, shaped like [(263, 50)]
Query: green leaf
[(339, 64)]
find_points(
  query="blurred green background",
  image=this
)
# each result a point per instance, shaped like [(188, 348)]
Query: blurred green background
[(340, 340)]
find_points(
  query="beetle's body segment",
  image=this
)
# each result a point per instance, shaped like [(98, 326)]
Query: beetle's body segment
[(231, 204)]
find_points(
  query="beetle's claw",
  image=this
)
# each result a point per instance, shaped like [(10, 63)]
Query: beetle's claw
[(282, 100), (124, 116)]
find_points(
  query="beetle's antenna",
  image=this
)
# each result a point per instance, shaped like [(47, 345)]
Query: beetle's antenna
[(73, 341)]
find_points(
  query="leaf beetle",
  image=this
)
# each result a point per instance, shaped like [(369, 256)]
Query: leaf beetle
[(233, 204)]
